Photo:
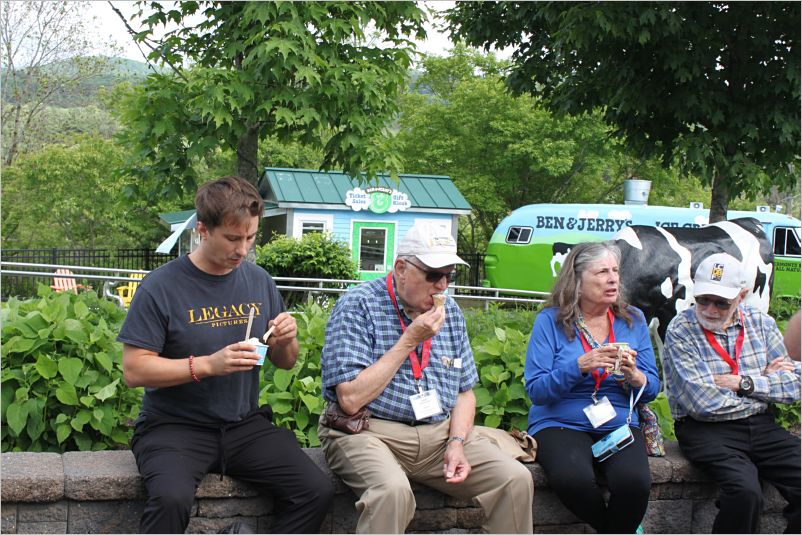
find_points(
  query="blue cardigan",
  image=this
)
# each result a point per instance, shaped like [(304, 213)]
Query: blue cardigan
[(559, 391)]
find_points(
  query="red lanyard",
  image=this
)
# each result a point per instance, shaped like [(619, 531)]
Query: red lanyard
[(599, 377), (739, 343), (417, 366)]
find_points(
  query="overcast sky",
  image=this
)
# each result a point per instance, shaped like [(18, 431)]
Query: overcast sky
[(109, 24)]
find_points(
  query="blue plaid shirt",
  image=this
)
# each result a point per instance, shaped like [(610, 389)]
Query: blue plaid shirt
[(689, 363), (364, 326)]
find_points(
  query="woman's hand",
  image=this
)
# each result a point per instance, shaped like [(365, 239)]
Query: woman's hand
[(600, 357), (629, 368)]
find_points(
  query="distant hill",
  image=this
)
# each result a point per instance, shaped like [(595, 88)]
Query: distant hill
[(112, 72)]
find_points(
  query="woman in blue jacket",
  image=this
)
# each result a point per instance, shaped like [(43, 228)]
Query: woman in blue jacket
[(582, 388)]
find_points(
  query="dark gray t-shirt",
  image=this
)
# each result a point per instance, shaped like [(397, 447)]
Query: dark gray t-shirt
[(179, 311)]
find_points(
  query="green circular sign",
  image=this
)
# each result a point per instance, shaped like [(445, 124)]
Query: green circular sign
[(380, 202)]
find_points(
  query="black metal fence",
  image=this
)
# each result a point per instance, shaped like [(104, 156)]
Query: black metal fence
[(476, 273), (23, 286)]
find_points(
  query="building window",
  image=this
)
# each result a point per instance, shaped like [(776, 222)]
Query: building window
[(371, 249), (519, 234), (308, 227)]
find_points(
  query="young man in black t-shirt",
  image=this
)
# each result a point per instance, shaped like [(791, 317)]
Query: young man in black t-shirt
[(183, 342)]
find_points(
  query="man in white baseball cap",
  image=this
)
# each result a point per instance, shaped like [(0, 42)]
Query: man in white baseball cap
[(724, 362), (391, 349)]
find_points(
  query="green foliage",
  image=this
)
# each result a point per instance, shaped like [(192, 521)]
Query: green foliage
[(296, 395), (288, 69), (62, 383), (671, 77), (504, 151), (499, 337), (68, 196)]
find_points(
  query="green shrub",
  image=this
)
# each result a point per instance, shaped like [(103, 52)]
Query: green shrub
[(62, 385)]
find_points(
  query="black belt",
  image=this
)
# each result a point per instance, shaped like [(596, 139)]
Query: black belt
[(413, 423)]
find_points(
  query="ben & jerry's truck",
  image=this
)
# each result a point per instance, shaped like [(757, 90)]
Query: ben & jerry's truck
[(529, 246)]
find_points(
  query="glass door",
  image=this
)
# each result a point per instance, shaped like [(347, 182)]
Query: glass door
[(373, 248)]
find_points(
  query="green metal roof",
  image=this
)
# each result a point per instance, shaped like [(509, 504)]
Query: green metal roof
[(307, 186), (176, 218)]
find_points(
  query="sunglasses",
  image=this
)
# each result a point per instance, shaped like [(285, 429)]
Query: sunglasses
[(718, 303), (434, 277)]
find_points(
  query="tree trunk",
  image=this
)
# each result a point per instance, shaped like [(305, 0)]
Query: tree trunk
[(247, 148), (719, 199)]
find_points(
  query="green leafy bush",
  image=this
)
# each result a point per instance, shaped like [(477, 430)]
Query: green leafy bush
[(62, 385), (315, 255), (296, 395)]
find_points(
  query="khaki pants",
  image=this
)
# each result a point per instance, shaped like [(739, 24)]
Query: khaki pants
[(378, 465)]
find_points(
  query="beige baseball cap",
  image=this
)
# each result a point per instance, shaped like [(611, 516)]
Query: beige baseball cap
[(431, 244), (719, 274)]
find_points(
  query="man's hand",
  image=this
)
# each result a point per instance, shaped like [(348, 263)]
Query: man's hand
[(284, 330), (236, 357), (778, 365), (426, 325), (456, 467), (728, 380)]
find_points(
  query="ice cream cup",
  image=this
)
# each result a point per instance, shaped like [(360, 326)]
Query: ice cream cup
[(261, 349)]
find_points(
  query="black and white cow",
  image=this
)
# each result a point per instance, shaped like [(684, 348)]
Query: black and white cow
[(658, 264), (559, 252)]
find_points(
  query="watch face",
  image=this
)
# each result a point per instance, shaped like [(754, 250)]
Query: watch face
[(746, 383)]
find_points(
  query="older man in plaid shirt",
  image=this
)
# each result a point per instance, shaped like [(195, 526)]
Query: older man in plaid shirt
[(391, 348), (724, 363)]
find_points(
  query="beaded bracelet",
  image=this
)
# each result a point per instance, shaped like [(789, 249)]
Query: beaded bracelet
[(192, 370)]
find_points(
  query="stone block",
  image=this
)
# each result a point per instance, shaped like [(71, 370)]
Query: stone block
[(42, 527), (774, 502), (668, 516), (682, 470), (470, 517), (234, 507), (427, 498), (548, 509), (120, 516), (704, 512), (661, 469), (102, 475), (772, 523), (666, 491), (538, 475), (32, 477), (214, 525), (457, 503), (429, 520), (43, 512), (343, 514), (563, 528), (8, 518), (212, 486), (699, 491)]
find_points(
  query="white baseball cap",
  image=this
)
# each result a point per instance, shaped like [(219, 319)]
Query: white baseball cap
[(719, 274), (431, 244)]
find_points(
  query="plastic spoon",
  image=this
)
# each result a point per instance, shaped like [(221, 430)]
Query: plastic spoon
[(250, 323), (267, 334)]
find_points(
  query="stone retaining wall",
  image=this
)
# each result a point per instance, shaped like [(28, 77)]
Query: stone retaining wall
[(101, 492)]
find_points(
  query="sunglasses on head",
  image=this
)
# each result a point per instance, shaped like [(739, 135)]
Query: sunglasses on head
[(718, 303), (435, 276)]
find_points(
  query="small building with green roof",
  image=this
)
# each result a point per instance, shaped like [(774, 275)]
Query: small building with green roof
[(370, 218)]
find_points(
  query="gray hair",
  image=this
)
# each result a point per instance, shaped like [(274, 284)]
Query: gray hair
[(565, 294)]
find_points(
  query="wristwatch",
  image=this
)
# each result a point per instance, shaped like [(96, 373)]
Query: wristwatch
[(746, 386), (461, 440)]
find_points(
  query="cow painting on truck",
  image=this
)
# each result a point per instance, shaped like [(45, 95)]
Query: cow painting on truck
[(529, 246)]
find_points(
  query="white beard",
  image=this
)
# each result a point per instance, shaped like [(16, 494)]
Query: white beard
[(711, 324)]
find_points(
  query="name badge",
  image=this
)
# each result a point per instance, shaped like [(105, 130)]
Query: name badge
[(600, 413), (425, 404), (458, 362)]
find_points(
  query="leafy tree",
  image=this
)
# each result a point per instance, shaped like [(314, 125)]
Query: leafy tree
[(294, 70), (46, 53), (714, 85), (68, 196), (504, 151)]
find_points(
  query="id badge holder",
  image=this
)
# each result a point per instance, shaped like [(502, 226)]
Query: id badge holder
[(599, 412), (425, 404)]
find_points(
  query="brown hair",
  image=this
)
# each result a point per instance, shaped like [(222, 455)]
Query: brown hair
[(227, 198), (565, 294)]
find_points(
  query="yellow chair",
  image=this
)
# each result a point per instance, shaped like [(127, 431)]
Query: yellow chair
[(126, 291)]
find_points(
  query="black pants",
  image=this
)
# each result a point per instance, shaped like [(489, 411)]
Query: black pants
[(173, 458), (737, 455), (566, 457)]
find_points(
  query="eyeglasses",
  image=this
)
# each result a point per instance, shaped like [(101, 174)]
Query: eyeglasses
[(434, 277), (703, 301)]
